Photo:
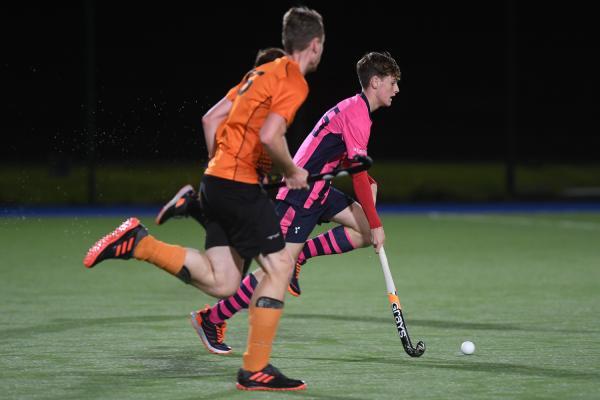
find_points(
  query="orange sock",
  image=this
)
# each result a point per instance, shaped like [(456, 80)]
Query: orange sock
[(263, 327), (166, 256)]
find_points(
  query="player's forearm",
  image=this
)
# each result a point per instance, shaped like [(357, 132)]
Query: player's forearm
[(365, 196), (279, 152), (272, 137)]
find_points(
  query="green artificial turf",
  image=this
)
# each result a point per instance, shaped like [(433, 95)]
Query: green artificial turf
[(524, 288)]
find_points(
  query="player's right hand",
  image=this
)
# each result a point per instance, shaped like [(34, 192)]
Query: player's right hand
[(377, 238), (297, 179)]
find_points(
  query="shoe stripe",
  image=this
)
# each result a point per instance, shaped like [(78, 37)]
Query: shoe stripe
[(269, 379), (255, 376), (124, 248), (180, 202), (264, 378), (130, 244), (108, 240), (118, 252)]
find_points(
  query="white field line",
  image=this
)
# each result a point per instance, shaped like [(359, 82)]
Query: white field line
[(519, 221)]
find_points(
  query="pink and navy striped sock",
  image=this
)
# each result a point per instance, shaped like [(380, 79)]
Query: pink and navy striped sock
[(334, 241), (226, 308)]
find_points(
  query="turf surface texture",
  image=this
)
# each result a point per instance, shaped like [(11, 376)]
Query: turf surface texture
[(525, 288)]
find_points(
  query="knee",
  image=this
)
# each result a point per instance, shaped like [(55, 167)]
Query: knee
[(281, 265), (221, 288), (283, 268), (225, 290)]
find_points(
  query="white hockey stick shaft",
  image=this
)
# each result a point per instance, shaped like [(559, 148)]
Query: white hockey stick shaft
[(389, 281)]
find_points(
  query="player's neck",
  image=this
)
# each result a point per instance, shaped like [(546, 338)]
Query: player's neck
[(302, 58), (372, 99)]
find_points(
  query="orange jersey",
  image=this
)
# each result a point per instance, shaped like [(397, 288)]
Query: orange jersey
[(277, 87)]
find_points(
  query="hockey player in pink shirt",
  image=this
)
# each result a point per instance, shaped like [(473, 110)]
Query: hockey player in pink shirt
[(341, 133)]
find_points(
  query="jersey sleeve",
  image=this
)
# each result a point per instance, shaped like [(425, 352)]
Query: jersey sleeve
[(362, 189), (288, 99), (356, 136)]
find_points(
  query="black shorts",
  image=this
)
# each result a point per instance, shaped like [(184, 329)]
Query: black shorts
[(298, 222), (239, 215)]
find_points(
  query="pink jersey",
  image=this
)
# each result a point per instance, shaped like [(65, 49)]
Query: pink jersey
[(339, 135)]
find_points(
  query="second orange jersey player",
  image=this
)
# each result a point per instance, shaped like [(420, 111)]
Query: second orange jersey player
[(239, 218)]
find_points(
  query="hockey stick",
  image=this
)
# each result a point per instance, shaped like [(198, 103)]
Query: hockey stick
[(364, 163), (397, 310)]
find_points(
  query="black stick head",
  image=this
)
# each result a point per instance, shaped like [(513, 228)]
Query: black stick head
[(416, 351)]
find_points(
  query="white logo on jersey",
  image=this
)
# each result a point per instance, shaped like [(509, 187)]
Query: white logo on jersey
[(271, 237)]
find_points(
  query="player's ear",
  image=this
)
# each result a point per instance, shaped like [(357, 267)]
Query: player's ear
[(375, 82)]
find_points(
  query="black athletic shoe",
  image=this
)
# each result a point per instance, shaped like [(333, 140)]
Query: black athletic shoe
[(269, 378), (120, 243), (212, 335), (178, 205), (294, 286)]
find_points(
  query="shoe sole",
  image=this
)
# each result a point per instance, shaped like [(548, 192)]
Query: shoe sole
[(203, 337), (265, 388), (172, 202), (90, 258), (293, 292)]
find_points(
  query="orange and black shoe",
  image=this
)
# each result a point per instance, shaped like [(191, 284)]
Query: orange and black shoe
[(268, 378), (178, 206), (120, 243), (211, 334), (294, 286)]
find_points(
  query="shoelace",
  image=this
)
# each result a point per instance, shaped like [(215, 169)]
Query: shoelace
[(221, 329), (297, 272)]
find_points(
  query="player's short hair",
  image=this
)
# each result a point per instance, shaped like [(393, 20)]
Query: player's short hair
[(300, 26), (376, 64), (267, 55)]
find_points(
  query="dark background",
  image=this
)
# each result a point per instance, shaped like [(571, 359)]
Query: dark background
[(481, 81)]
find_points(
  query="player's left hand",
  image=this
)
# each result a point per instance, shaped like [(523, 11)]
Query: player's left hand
[(298, 179), (377, 238)]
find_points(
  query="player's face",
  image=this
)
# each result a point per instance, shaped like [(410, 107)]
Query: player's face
[(318, 52), (386, 90)]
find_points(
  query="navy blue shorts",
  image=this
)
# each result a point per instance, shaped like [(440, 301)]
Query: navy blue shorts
[(297, 222)]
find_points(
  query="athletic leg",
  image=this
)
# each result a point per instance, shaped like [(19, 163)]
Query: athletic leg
[(131, 239), (353, 232), (265, 309), (210, 323), (217, 271)]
